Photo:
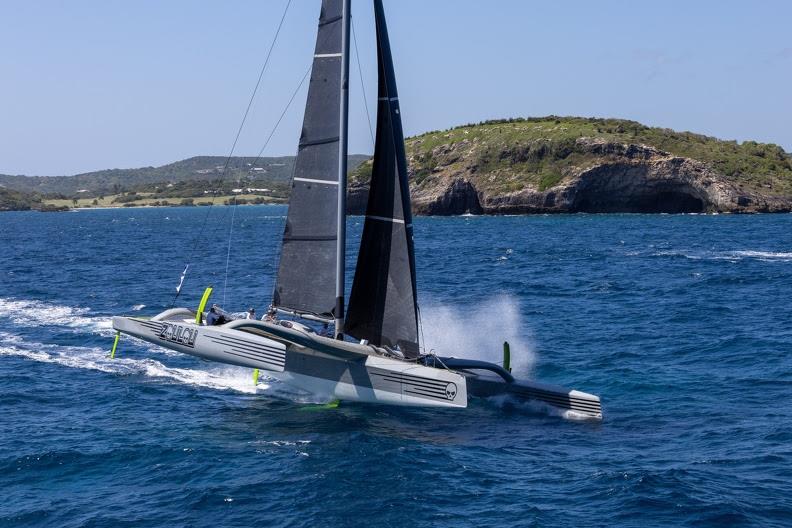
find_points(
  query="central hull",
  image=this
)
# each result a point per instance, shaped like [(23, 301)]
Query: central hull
[(321, 366)]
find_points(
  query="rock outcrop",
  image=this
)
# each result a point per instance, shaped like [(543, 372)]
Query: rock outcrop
[(612, 178)]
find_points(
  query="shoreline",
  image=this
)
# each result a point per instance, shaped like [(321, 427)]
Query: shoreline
[(464, 215)]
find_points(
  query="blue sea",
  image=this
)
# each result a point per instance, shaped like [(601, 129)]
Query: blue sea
[(681, 323)]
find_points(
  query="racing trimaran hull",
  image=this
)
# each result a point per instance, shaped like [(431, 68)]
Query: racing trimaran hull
[(347, 371)]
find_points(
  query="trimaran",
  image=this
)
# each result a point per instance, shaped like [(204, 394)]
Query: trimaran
[(374, 354)]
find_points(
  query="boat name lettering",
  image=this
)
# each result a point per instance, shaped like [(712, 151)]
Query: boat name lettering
[(178, 334)]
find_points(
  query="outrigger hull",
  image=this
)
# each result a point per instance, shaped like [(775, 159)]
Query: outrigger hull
[(569, 403), (349, 371)]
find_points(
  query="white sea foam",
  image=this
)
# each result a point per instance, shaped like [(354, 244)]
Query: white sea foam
[(478, 332), (731, 256), (763, 255), (93, 358), (31, 313), (138, 307), (282, 443)]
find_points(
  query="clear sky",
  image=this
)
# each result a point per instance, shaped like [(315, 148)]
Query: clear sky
[(95, 84)]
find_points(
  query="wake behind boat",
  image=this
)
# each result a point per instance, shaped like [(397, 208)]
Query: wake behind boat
[(373, 354)]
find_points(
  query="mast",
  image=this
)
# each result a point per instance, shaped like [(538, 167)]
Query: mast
[(343, 133)]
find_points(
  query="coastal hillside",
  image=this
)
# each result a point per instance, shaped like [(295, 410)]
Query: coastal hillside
[(18, 201), (21, 201), (572, 164), (265, 171), (514, 166)]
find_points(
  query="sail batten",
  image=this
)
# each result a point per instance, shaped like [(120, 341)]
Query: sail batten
[(307, 267), (383, 303)]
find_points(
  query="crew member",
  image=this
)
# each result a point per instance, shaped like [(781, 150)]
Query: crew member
[(270, 315), (212, 318), (251, 313)]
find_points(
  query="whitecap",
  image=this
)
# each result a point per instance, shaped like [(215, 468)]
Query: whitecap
[(731, 256), (34, 313), (763, 255), (282, 443)]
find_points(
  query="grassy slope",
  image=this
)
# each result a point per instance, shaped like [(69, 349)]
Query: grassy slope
[(147, 199), (510, 154)]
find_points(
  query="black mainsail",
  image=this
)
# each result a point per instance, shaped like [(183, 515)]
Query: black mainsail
[(383, 304), (307, 270)]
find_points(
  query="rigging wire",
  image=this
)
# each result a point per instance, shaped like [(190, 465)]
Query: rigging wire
[(258, 83), (231, 153), (362, 84), (275, 128), (228, 252), (255, 161)]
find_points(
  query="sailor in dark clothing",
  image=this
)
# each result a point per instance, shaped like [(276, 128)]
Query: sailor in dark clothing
[(213, 317)]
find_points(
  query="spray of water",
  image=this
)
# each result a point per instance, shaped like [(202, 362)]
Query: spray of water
[(478, 332)]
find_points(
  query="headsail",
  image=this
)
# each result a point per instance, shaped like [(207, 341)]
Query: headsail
[(383, 304), (307, 270)]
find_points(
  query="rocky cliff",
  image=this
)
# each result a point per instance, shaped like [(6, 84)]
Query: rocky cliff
[(498, 168)]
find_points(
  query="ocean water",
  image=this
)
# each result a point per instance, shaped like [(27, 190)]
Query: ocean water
[(680, 323)]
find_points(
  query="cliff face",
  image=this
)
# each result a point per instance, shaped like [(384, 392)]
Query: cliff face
[(627, 178), (597, 175)]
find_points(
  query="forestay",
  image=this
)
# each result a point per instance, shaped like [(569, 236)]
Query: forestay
[(382, 305), (306, 274)]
